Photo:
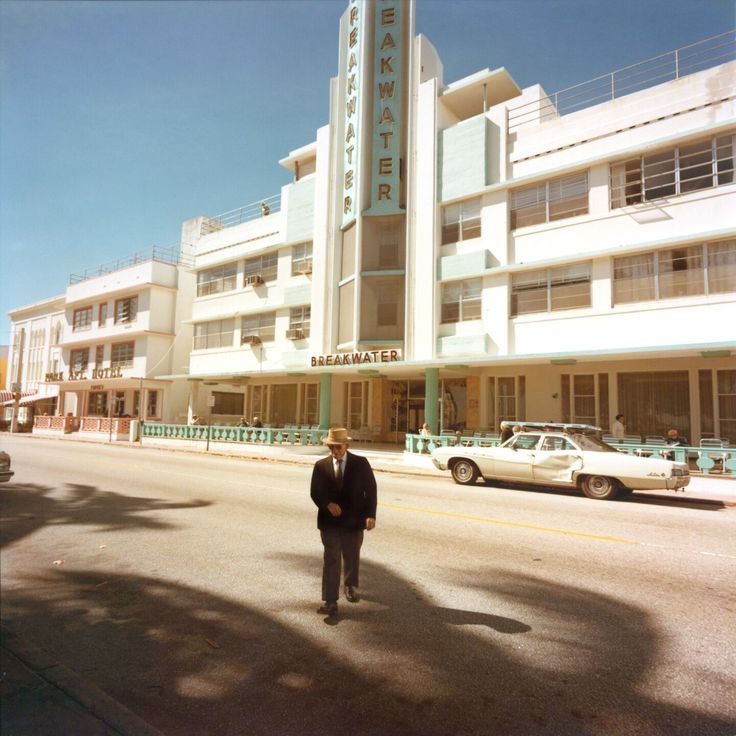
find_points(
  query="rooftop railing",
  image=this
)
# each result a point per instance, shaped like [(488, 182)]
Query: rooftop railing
[(171, 254), (252, 211), (667, 67)]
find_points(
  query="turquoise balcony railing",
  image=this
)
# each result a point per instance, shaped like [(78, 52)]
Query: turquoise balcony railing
[(224, 433)]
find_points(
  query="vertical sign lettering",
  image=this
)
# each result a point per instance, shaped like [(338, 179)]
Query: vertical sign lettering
[(352, 111), (387, 109)]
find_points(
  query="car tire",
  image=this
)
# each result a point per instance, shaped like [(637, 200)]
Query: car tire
[(600, 487), (465, 472)]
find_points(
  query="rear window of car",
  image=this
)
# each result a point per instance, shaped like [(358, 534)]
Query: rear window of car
[(557, 443), (525, 441)]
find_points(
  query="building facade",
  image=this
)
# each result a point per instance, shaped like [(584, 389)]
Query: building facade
[(103, 343), (473, 252)]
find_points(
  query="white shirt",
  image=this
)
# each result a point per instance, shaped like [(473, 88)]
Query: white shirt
[(617, 429)]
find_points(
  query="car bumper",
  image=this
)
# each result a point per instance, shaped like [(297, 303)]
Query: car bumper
[(6, 475), (438, 464), (678, 482)]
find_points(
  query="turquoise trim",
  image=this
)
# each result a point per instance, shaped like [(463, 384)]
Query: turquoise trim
[(431, 397), (325, 399), (388, 272)]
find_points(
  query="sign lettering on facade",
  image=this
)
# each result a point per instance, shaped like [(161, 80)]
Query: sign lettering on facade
[(97, 373), (386, 164), (351, 147), (369, 356)]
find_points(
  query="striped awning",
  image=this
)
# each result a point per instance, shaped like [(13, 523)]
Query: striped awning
[(26, 397), (6, 396)]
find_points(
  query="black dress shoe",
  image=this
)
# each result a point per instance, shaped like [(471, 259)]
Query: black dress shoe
[(352, 594), (329, 609)]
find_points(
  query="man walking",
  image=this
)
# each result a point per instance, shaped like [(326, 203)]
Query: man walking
[(344, 490)]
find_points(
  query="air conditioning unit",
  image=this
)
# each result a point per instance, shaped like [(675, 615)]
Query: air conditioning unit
[(295, 334), (256, 280), (305, 267), (250, 340)]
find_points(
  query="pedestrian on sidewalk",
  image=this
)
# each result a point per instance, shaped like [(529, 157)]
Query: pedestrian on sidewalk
[(344, 490)]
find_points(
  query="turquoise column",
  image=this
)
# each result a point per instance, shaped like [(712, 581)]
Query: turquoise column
[(431, 398), (325, 400)]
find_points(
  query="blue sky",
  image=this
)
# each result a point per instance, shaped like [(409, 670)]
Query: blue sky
[(120, 120)]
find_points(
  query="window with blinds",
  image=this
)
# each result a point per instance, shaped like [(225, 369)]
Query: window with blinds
[(215, 334), (547, 201), (217, 280), (552, 289), (688, 168), (461, 221), (461, 301)]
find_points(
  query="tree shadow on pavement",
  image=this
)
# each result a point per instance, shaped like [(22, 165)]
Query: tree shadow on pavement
[(190, 662), (24, 508)]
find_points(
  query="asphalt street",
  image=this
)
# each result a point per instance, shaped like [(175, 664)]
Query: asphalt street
[(185, 587)]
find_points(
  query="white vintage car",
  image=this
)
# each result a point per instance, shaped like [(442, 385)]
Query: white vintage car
[(564, 456)]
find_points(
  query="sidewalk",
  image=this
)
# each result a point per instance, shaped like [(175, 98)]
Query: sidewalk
[(42, 697)]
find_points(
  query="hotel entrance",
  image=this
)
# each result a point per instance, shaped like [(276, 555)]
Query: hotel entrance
[(407, 406)]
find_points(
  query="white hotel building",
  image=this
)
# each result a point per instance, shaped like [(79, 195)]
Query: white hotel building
[(463, 253)]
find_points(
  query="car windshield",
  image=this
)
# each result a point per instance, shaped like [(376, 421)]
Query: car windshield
[(591, 444)]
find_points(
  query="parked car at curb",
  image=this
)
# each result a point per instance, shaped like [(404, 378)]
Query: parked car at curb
[(5, 472), (562, 456)]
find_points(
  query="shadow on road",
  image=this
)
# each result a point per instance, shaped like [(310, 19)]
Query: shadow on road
[(194, 663), (24, 508)]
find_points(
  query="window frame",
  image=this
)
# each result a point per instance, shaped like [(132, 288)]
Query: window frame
[(545, 204), (633, 173), (262, 324), (127, 359), (222, 278), (82, 319), (466, 296), (300, 318), (83, 364), (551, 287), (120, 309), (255, 266), (212, 336), (301, 254), (466, 224)]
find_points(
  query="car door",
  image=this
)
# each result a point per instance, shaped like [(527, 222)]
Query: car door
[(556, 460), (514, 461)]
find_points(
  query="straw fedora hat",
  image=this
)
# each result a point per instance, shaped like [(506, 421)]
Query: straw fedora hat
[(337, 436)]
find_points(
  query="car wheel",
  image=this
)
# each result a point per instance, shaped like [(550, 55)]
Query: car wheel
[(600, 487), (465, 472)]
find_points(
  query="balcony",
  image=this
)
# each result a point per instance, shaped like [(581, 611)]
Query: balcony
[(171, 255), (246, 213)]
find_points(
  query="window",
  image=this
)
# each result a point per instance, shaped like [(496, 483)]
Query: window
[(82, 319), (686, 271), (126, 310), (258, 396), (227, 402), (506, 399), (118, 404), (387, 303), (310, 406), (461, 221), (79, 359), (265, 266), (121, 355), (99, 355), (216, 280), (726, 382), (301, 259), (299, 320), (550, 200), (550, 290), (583, 399), (216, 334), (525, 441), (259, 325), (97, 406), (461, 301), (552, 444), (58, 331), (356, 404), (687, 168), (152, 404), (102, 314)]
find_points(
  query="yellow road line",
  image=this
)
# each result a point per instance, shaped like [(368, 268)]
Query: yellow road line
[(486, 520)]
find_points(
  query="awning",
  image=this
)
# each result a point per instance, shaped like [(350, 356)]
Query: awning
[(26, 398), (9, 396)]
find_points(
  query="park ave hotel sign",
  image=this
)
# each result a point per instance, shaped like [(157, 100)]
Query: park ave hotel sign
[(386, 108)]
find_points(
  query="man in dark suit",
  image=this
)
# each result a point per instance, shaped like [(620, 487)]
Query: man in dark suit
[(344, 490)]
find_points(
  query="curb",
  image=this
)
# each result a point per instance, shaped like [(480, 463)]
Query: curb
[(86, 694)]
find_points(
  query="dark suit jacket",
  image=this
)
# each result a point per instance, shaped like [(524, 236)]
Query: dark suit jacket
[(357, 499)]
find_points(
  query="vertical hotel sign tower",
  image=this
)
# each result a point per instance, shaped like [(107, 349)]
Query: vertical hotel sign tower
[(371, 127)]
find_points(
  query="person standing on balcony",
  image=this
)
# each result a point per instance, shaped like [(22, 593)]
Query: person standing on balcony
[(343, 488)]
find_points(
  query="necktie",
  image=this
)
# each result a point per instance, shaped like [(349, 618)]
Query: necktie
[(338, 474)]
